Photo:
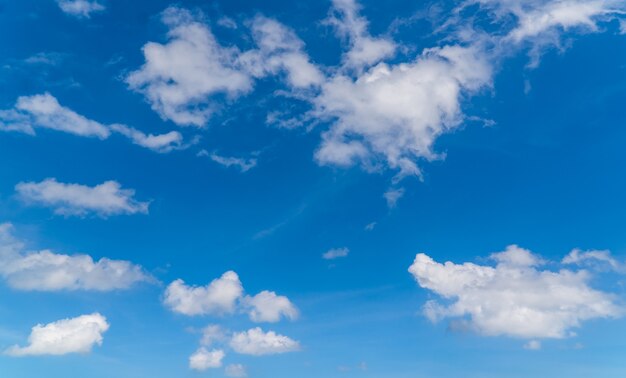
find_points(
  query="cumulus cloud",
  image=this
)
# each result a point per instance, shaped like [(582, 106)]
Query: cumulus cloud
[(256, 342), (244, 165), (217, 298), (45, 111), (335, 253), (204, 359), (236, 371), (104, 200), (269, 307), (80, 8), (592, 257), (49, 271), (76, 335), (514, 298)]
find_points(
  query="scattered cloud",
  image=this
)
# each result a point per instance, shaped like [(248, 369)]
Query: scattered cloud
[(104, 200), (45, 111), (80, 8), (591, 258), (269, 307), (204, 359), (392, 196), (212, 334), (532, 345), (335, 253), (236, 371), (370, 226), (257, 343), (515, 298), (219, 297), (76, 335), (49, 271), (244, 165)]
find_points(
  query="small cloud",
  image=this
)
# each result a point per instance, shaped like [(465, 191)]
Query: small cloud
[(203, 359), (80, 8), (336, 253), (244, 165), (532, 345), (392, 196), (236, 371), (256, 342), (370, 226)]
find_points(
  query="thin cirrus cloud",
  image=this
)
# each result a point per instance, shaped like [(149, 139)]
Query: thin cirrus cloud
[(244, 165), (75, 335), (69, 199), (225, 296), (48, 271), (514, 298), (256, 342), (44, 111), (80, 8)]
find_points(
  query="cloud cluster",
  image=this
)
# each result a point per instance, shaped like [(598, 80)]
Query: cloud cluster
[(104, 200), (76, 335), (49, 271), (514, 298), (225, 295), (45, 111)]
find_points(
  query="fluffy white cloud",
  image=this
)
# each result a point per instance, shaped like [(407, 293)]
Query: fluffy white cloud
[(45, 111), (159, 143), (364, 49), (256, 342), (244, 165), (204, 359), (76, 335), (515, 298), (579, 257), (48, 271), (335, 253), (104, 200), (236, 371), (179, 78), (269, 307), (394, 113), (218, 297), (80, 8)]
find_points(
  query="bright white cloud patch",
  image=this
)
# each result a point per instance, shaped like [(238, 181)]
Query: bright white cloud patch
[(76, 335), (256, 342), (236, 371), (513, 298), (269, 307), (204, 359), (335, 253), (104, 200), (218, 297), (80, 8), (49, 271), (159, 143)]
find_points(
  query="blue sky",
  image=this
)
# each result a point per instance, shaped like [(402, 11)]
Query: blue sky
[(312, 189)]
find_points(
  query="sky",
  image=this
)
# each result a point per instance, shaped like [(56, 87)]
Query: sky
[(333, 188)]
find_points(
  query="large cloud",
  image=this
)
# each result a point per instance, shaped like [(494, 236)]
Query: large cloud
[(104, 200), (76, 335), (513, 298), (49, 271)]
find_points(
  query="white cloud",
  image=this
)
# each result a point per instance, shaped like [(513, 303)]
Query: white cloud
[(158, 143), (515, 298), (256, 342), (218, 297), (203, 359), (80, 8), (394, 113), (579, 257), (364, 49), (104, 200), (392, 196), (335, 253), (44, 111), (370, 226), (76, 335), (532, 345), (48, 271), (236, 371), (269, 307), (244, 165), (180, 78), (211, 334)]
